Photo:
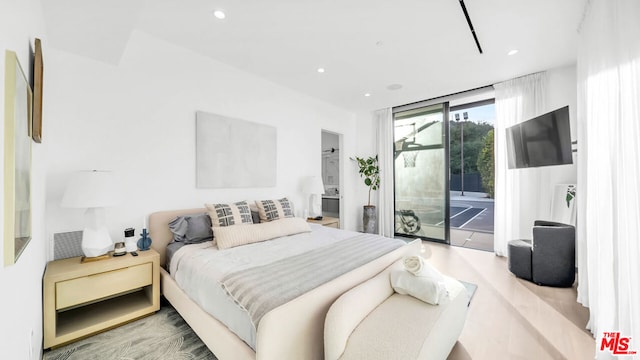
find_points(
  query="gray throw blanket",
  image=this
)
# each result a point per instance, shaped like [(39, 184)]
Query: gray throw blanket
[(263, 288)]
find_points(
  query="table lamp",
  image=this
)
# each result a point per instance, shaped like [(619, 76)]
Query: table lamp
[(313, 186), (93, 190)]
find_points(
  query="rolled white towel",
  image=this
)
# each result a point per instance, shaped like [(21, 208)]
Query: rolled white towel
[(413, 264), (418, 266)]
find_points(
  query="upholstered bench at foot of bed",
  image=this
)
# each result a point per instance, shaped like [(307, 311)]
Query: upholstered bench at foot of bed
[(373, 322)]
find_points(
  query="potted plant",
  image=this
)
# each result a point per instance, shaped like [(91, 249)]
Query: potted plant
[(369, 170)]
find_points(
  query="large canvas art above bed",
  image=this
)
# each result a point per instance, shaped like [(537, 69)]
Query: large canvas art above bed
[(234, 153)]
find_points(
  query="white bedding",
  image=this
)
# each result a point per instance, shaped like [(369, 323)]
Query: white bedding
[(198, 268)]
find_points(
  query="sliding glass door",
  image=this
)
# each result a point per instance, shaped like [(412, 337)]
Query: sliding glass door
[(421, 154)]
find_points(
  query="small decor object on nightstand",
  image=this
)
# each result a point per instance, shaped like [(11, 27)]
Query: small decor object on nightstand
[(130, 242), (119, 249), (144, 243)]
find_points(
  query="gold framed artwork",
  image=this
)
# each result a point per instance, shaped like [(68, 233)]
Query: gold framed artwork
[(18, 108), (38, 68)]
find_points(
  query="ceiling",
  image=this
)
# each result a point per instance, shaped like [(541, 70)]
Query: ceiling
[(364, 45)]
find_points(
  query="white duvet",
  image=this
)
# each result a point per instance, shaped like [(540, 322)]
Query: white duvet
[(198, 268)]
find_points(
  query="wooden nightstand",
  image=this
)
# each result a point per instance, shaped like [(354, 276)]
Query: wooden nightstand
[(83, 299), (327, 221)]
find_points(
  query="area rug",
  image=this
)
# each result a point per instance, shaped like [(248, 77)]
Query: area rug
[(471, 289), (164, 335)]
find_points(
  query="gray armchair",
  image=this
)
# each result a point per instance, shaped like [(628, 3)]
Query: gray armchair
[(547, 260)]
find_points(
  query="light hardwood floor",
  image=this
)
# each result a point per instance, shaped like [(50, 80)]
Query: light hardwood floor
[(472, 239), (510, 318)]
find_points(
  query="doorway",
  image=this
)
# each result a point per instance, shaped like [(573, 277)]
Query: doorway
[(331, 174)]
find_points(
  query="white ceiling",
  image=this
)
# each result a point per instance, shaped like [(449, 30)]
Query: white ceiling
[(364, 45)]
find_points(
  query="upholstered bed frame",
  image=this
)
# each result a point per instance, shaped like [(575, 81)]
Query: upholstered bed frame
[(294, 330)]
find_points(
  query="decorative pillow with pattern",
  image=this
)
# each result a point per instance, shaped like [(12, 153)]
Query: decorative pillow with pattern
[(270, 210), (229, 214)]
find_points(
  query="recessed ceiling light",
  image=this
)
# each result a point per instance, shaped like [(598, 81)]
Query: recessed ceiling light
[(320, 70), (367, 95), (394, 87), (219, 14), (512, 52)]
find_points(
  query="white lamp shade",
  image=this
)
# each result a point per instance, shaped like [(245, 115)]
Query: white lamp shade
[(313, 185), (88, 189)]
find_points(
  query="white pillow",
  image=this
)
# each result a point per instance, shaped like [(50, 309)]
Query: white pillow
[(231, 236)]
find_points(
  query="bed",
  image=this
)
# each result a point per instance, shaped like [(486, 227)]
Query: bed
[(293, 330)]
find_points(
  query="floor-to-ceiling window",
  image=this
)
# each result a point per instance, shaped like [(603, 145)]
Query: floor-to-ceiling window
[(472, 174), (421, 171)]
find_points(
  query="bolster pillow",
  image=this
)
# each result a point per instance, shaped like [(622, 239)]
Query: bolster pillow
[(236, 235)]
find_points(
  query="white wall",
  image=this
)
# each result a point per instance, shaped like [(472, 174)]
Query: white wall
[(562, 91), (138, 119), (21, 21)]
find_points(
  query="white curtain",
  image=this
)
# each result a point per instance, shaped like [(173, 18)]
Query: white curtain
[(384, 137), (516, 191), (609, 169)]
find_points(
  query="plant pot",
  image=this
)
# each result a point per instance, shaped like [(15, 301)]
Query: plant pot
[(370, 219)]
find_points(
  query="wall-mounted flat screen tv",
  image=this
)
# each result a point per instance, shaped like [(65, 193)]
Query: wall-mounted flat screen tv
[(542, 141)]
